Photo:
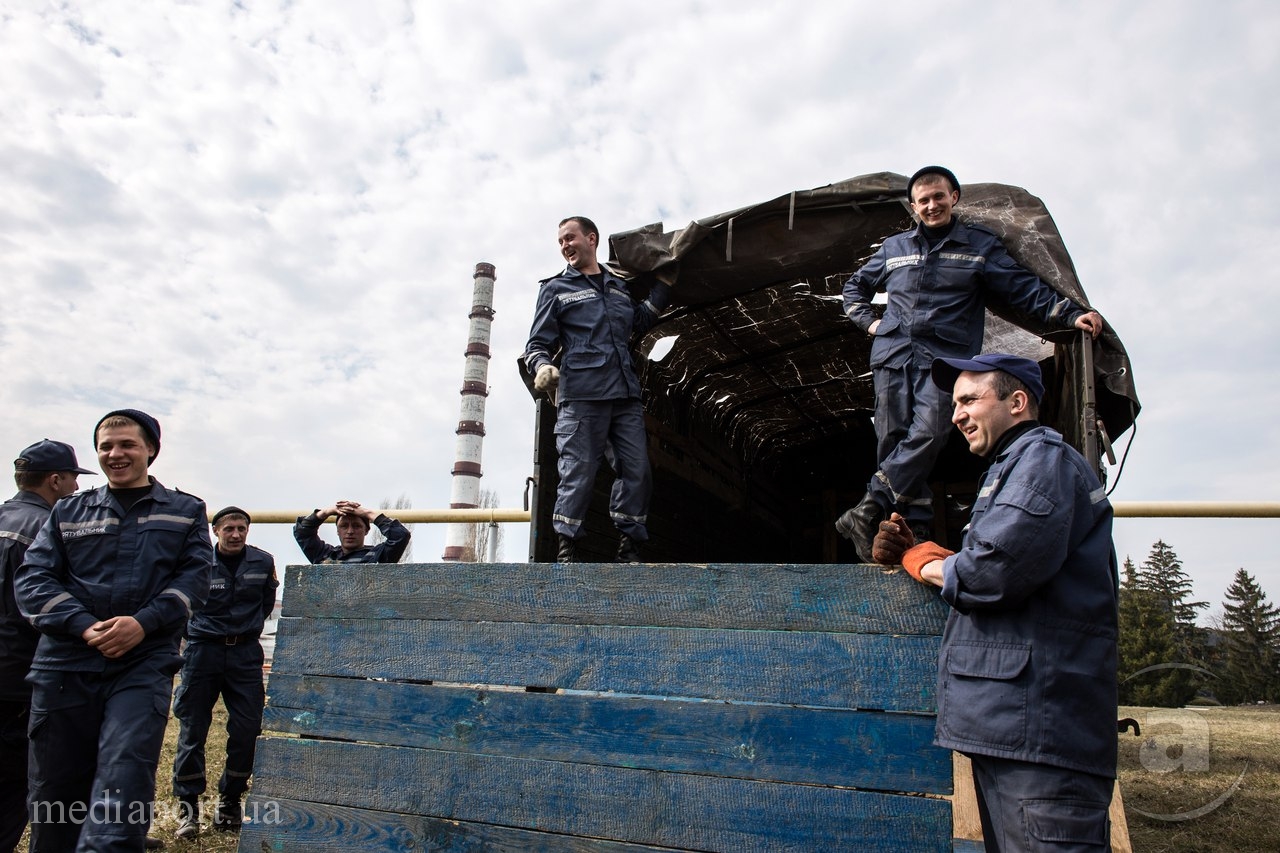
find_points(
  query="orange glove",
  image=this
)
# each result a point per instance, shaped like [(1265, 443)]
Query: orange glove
[(919, 556)]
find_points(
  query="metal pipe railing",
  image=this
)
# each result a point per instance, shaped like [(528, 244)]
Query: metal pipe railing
[(406, 516), (1123, 509), (1197, 509)]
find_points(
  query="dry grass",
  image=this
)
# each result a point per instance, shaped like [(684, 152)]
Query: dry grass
[(1210, 777), (166, 805)]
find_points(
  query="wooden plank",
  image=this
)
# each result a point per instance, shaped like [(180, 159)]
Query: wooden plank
[(867, 671), (852, 598), (289, 825), (868, 750), (681, 811)]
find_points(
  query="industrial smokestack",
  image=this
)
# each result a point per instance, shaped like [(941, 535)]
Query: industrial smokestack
[(458, 544)]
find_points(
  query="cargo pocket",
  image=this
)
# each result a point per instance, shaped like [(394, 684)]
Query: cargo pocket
[(984, 700), (1047, 823)]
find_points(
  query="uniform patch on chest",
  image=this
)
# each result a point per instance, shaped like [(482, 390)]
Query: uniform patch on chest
[(568, 298)]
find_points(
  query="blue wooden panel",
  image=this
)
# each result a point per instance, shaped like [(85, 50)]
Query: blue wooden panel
[(293, 827), (675, 810), (786, 667), (829, 598), (868, 750)]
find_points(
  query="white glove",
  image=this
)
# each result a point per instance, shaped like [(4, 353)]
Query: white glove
[(548, 378)]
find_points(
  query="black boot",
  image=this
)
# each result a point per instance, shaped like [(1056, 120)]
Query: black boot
[(568, 552), (628, 550), (229, 814), (860, 525), (188, 818)]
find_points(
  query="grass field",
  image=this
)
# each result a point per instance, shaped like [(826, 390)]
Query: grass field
[(1203, 780), (1196, 781)]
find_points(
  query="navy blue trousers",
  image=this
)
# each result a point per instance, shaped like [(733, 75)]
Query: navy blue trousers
[(1036, 807), (586, 432), (95, 744), (913, 420), (14, 721), (211, 669)]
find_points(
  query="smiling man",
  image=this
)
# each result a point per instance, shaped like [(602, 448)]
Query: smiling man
[(1027, 666), (110, 581), (354, 522), (224, 658), (938, 278), (584, 323)]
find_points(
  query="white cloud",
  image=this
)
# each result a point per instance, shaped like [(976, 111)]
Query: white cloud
[(260, 221)]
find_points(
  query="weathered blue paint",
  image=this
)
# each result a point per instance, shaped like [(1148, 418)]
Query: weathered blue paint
[(711, 708)]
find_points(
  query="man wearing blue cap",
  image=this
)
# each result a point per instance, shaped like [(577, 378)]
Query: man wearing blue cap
[(1027, 667), (44, 472), (110, 580), (224, 658), (938, 278)]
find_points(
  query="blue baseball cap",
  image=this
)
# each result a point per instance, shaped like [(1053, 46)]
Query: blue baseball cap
[(49, 455), (945, 371)]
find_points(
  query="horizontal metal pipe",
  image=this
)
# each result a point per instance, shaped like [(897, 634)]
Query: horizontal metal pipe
[(1123, 509), (1196, 509), (408, 516)]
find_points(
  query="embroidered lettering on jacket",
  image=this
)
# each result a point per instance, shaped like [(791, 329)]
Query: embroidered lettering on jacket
[(78, 529), (567, 298), (956, 256), (902, 261)]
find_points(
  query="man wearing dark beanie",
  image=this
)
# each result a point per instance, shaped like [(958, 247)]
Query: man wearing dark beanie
[(110, 581)]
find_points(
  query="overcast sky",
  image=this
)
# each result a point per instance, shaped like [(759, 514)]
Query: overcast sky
[(259, 221)]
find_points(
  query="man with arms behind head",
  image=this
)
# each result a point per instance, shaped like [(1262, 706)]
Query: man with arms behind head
[(938, 277), (353, 525), (110, 581), (44, 472), (1027, 668), (224, 657)]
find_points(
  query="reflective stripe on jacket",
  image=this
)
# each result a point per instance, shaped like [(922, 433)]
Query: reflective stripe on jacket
[(937, 297), (592, 328), (240, 601), (92, 561)]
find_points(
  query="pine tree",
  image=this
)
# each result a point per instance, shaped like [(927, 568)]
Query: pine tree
[(1149, 638), (1251, 630), (1162, 574)]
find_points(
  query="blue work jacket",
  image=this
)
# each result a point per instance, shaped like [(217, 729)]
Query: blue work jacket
[(937, 297), (1027, 668), (239, 601), (307, 533), (21, 518), (92, 560), (592, 327)]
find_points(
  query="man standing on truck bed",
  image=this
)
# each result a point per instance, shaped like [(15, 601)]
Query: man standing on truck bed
[(588, 316), (938, 277), (1027, 666)]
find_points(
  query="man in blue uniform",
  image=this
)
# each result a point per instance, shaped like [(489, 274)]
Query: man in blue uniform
[(587, 317), (224, 657), (110, 581), (1027, 668), (353, 525), (44, 472), (938, 277)]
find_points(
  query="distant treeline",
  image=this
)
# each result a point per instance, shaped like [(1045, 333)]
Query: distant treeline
[(1167, 660)]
